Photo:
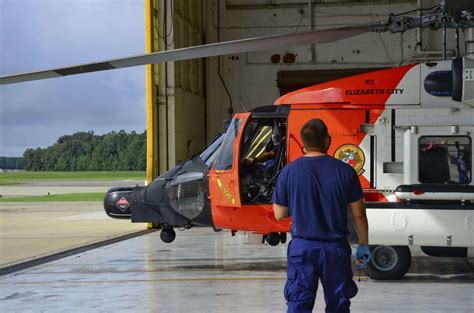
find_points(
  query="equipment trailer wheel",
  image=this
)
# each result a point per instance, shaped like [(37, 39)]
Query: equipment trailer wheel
[(389, 262)]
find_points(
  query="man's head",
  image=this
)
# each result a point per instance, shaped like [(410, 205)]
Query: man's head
[(315, 136)]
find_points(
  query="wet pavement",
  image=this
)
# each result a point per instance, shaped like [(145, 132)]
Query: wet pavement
[(204, 271)]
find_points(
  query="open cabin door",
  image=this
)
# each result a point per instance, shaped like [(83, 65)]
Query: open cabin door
[(224, 186)]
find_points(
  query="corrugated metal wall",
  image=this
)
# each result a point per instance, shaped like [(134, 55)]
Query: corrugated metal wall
[(176, 119)]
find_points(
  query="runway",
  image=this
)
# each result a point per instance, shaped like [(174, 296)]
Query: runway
[(34, 229), (30, 230), (204, 271), (42, 188)]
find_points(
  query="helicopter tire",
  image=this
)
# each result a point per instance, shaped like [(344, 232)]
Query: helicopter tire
[(389, 262), (273, 239), (168, 235), (283, 238)]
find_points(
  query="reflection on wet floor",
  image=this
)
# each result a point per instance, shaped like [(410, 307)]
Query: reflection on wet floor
[(214, 272), (440, 269)]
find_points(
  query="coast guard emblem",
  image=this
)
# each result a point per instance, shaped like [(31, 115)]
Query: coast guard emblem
[(352, 155)]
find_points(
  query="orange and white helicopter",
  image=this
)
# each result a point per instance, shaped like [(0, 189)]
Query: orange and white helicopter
[(407, 131)]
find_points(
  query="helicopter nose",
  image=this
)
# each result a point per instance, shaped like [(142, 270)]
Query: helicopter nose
[(118, 203), (187, 199), (155, 191), (159, 197)]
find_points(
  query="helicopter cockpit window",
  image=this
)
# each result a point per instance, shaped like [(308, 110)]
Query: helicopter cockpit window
[(258, 150), (209, 154), (262, 157), (445, 160), (225, 157), (259, 143)]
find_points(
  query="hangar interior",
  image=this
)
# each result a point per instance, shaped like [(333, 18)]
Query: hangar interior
[(187, 101), (207, 270)]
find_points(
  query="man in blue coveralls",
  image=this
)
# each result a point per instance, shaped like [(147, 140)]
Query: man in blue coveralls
[(316, 190)]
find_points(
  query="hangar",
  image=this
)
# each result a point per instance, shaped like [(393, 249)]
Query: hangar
[(188, 100), (243, 82)]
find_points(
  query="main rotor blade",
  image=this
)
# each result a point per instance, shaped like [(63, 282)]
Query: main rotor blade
[(203, 51)]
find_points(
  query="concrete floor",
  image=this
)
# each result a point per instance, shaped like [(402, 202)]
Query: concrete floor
[(203, 271)]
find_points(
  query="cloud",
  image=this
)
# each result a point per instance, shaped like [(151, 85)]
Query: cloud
[(43, 34)]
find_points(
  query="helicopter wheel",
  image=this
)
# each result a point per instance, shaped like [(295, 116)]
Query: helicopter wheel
[(168, 235), (283, 238), (273, 239)]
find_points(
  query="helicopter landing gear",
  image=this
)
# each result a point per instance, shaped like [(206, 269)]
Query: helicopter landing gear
[(168, 235), (273, 239)]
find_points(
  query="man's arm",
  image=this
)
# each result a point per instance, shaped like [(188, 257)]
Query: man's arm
[(266, 156), (260, 159), (280, 212), (359, 218)]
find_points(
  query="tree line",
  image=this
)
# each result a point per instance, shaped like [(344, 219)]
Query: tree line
[(86, 151), (11, 163)]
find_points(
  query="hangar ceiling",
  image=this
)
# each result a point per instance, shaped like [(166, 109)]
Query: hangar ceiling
[(272, 3)]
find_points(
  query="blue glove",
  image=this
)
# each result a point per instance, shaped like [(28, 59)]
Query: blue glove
[(363, 254)]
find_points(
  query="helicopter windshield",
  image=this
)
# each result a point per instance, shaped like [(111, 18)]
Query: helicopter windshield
[(209, 154), (187, 189), (224, 159)]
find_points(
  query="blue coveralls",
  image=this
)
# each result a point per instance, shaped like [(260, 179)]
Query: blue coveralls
[(316, 191)]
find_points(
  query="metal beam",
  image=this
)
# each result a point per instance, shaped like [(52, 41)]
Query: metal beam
[(151, 45)]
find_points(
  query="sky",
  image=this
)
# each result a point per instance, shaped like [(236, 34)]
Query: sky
[(43, 34)]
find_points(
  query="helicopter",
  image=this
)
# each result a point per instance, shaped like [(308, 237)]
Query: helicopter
[(427, 199), (417, 176)]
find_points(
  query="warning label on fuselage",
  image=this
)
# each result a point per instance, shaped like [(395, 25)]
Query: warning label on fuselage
[(376, 91)]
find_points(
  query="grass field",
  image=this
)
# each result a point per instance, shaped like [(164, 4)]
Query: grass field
[(12, 178), (91, 196)]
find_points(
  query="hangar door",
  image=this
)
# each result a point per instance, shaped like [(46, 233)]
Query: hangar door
[(175, 91)]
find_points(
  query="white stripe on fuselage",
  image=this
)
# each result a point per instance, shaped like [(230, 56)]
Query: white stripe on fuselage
[(407, 92)]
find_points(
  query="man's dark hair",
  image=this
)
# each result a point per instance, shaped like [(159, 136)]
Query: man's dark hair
[(313, 134)]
